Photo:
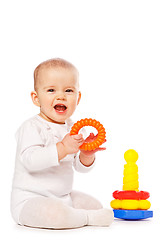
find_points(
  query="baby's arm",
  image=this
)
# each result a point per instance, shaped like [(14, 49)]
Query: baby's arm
[(71, 143), (32, 150)]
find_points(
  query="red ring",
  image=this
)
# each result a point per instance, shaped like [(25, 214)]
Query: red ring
[(131, 195)]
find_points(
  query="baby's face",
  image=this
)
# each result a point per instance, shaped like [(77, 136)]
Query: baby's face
[(58, 93)]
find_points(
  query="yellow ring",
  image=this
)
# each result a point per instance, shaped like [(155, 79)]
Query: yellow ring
[(130, 204)]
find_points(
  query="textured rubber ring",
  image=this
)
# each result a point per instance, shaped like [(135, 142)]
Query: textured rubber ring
[(100, 139)]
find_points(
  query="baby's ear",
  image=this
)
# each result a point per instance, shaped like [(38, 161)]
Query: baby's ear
[(35, 99), (79, 97)]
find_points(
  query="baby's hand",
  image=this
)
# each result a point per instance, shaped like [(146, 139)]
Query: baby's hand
[(87, 157), (72, 143), (91, 138)]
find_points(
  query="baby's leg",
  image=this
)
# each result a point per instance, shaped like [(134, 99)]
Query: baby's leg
[(97, 215), (84, 201), (44, 212)]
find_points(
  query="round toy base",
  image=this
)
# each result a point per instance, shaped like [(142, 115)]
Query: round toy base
[(132, 214)]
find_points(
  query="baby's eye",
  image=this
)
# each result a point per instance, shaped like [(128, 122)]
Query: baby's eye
[(51, 90), (69, 90)]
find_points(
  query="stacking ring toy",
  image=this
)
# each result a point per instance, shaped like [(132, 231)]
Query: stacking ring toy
[(100, 139), (131, 204)]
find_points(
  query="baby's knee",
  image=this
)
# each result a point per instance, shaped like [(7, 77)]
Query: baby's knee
[(85, 201), (94, 204)]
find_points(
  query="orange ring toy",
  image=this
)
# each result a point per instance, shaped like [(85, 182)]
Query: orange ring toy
[(89, 146)]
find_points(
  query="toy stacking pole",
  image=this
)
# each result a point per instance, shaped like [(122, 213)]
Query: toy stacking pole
[(131, 204), (130, 179)]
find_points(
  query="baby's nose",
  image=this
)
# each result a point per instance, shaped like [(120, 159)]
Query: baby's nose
[(61, 96)]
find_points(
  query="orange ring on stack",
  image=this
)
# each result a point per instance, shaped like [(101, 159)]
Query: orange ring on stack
[(100, 139)]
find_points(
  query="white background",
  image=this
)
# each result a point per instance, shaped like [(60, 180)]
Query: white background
[(116, 47)]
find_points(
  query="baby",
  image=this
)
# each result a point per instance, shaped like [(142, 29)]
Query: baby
[(42, 194)]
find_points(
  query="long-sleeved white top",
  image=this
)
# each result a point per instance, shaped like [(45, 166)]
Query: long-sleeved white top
[(37, 168)]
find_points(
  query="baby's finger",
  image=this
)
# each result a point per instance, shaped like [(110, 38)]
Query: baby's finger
[(91, 135), (101, 148), (77, 136), (80, 140)]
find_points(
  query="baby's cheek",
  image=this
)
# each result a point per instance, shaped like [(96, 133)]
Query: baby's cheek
[(71, 108)]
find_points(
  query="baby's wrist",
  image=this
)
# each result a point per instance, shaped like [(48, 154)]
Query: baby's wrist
[(87, 154), (62, 151), (87, 160)]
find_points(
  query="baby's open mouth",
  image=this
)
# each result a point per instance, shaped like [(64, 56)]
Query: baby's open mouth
[(60, 107)]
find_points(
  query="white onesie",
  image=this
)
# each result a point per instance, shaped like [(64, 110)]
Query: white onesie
[(37, 169)]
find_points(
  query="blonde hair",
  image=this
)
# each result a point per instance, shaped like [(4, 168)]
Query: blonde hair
[(55, 63)]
